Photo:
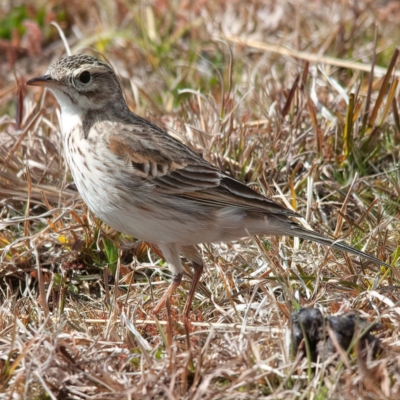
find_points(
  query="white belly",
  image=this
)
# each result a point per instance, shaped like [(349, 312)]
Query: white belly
[(103, 182)]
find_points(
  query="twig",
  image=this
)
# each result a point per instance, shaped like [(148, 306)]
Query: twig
[(310, 57)]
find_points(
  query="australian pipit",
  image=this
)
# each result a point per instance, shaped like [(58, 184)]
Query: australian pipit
[(142, 182)]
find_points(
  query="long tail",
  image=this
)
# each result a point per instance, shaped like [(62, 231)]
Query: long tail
[(296, 230)]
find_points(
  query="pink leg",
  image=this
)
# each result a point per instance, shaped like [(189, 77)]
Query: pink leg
[(198, 271), (176, 281), (191, 253), (171, 255)]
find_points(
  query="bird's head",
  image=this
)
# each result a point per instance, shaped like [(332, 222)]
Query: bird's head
[(81, 81)]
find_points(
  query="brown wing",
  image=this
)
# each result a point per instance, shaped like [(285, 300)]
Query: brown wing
[(232, 192), (169, 164), (176, 170)]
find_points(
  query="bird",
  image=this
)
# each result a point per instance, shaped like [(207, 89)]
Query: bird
[(143, 182)]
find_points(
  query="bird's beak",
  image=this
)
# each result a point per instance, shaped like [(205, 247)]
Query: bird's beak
[(44, 81)]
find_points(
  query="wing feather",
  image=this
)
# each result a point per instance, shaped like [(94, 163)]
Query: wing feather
[(176, 170)]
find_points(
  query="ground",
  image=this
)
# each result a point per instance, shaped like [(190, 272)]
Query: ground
[(298, 99)]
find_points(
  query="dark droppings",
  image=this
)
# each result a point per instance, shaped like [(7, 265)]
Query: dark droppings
[(323, 335)]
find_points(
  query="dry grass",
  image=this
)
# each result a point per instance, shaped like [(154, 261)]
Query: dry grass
[(322, 138)]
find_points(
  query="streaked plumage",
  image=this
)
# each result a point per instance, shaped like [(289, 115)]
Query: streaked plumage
[(143, 182)]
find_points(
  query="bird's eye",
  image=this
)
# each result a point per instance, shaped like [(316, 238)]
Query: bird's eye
[(84, 77)]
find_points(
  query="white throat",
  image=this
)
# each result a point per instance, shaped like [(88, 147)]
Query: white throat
[(71, 113)]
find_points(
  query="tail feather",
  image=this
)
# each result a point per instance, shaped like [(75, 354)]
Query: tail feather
[(297, 230)]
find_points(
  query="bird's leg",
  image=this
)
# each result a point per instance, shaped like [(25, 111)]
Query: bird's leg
[(171, 255), (198, 271), (191, 253), (176, 281)]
